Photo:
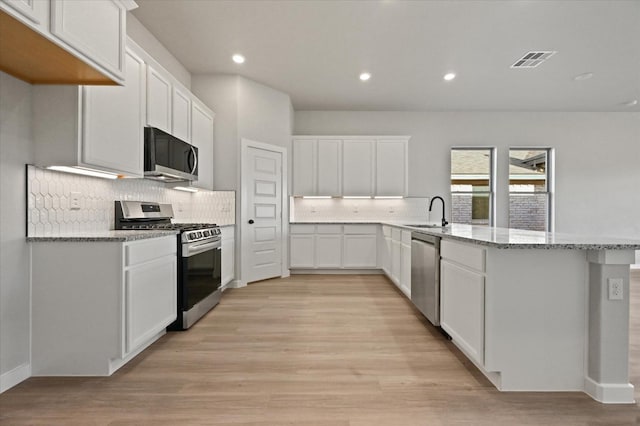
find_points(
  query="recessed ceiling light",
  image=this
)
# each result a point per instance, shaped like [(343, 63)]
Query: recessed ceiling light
[(582, 77), (449, 76), (238, 58), (365, 76), (631, 103)]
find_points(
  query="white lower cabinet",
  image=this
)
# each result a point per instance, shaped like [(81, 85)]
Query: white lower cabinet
[(405, 269), (116, 300), (303, 251), (228, 254), (333, 246), (150, 300), (328, 251), (462, 297)]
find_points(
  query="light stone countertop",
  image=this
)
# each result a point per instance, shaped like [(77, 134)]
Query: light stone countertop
[(104, 236), (506, 238)]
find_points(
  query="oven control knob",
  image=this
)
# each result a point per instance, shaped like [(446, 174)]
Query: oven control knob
[(190, 236), (206, 233), (199, 234)]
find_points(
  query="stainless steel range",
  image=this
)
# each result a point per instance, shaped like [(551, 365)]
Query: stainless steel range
[(199, 256)]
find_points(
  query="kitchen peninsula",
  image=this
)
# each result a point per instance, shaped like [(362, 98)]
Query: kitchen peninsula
[(534, 311)]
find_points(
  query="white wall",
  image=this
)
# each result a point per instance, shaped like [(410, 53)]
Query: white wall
[(596, 156), (220, 93), (244, 109), (153, 47), (15, 152)]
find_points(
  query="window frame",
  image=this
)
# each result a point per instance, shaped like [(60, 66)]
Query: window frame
[(492, 180), (550, 181)]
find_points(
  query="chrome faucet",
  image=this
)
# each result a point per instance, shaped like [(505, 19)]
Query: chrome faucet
[(444, 221)]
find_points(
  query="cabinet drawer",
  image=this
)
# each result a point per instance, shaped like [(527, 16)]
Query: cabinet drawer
[(406, 237), (360, 229), (302, 229), (396, 234), (145, 250), (329, 229), (470, 256)]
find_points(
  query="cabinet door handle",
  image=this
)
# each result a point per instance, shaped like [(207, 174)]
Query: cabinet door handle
[(250, 221)]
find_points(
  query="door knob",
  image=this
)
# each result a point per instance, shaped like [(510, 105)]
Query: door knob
[(250, 221)]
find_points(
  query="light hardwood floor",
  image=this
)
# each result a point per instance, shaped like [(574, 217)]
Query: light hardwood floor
[(307, 350)]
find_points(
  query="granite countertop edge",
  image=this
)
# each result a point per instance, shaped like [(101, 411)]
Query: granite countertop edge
[(107, 236), (446, 233)]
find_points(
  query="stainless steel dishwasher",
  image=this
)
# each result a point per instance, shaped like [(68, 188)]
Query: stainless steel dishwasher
[(425, 275)]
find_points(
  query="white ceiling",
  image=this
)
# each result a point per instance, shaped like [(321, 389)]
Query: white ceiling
[(315, 50)]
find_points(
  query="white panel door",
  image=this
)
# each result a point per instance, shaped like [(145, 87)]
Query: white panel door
[(357, 167), (158, 100), (302, 249), (360, 251), (113, 122), (262, 184), (94, 28), (329, 167), (181, 115), (202, 138), (328, 251), (391, 167), (462, 308), (304, 167)]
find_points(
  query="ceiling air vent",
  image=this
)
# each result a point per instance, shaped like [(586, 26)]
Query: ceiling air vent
[(532, 59)]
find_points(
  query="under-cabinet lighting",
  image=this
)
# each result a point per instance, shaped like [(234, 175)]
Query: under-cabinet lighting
[(185, 188), (356, 197), (388, 197), (316, 197), (84, 171)]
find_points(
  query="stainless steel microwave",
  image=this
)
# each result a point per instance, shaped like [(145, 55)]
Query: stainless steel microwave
[(167, 158)]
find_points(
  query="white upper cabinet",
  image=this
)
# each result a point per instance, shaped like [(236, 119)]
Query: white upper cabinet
[(158, 99), (357, 167), (96, 127), (181, 114), (350, 165), (113, 122), (202, 138), (304, 166), (36, 11), (391, 167), (329, 170), (84, 41), (95, 29)]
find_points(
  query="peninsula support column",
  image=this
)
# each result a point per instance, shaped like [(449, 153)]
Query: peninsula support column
[(607, 376)]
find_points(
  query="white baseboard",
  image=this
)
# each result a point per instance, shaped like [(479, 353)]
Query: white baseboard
[(337, 271), (609, 393), (234, 284), (15, 376)]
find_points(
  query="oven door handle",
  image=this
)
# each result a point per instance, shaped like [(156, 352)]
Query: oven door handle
[(189, 251)]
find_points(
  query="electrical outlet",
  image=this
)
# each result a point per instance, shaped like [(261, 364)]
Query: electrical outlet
[(74, 200), (615, 288)]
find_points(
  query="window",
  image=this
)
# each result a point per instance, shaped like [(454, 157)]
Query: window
[(529, 194), (472, 171)]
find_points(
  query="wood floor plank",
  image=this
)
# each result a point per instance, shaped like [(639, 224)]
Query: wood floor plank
[(311, 350)]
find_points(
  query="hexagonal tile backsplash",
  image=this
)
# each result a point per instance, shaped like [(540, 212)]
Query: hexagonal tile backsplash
[(49, 213)]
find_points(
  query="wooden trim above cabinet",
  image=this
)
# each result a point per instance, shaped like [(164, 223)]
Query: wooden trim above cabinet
[(29, 56)]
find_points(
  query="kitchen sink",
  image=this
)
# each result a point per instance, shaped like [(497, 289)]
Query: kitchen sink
[(424, 225)]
